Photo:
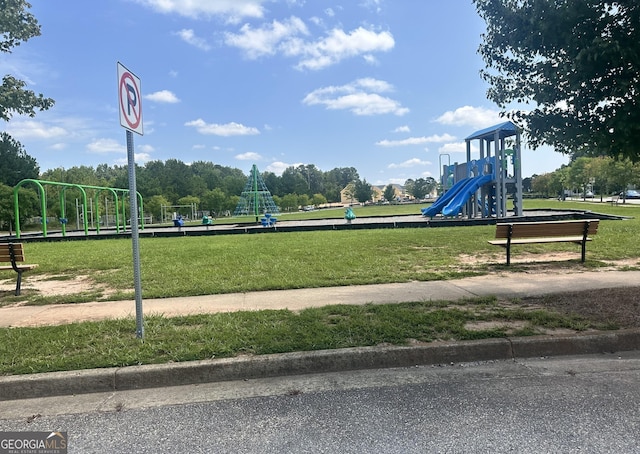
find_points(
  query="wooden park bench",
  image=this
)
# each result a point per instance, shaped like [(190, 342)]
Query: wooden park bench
[(14, 253), (510, 233)]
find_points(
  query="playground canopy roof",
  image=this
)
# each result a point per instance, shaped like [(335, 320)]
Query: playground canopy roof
[(506, 129)]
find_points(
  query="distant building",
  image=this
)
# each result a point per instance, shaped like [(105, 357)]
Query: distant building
[(397, 189), (346, 197)]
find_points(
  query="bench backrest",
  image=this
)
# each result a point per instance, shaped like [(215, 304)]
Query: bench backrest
[(546, 229), (5, 255)]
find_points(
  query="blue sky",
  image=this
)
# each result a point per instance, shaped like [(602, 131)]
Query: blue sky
[(385, 86)]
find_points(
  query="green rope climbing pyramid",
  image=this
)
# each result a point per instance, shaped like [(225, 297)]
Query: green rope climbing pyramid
[(255, 198)]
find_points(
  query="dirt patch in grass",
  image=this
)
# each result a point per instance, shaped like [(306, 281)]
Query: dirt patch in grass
[(620, 306), (49, 285)]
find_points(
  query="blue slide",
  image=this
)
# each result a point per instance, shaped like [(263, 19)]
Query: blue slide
[(444, 199), (464, 194)]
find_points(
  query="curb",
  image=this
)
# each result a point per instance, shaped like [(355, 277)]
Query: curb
[(17, 387)]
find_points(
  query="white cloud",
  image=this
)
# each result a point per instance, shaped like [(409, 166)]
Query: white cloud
[(361, 97), (139, 158), (475, 117), (106, 146), (146, 148), (402, 129), (410, 163), (457, 147), (250, 156), (225, 130), (279, 167), (268, 39), (416, 141), (189, 37), (375, 5), (232, 10), (287, 38), (162, 96), (371, 59), (29, 129), (339, 45)]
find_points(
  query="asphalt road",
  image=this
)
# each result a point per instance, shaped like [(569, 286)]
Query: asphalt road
[(566, 404)]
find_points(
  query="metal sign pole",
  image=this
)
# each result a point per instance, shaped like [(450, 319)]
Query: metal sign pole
[(135, 240), (130, 101)]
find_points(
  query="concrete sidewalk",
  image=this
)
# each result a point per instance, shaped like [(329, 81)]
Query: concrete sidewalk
[(244, 368), (507, 285)]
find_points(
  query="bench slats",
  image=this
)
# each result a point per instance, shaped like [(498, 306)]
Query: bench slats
[(18, 251), (20, 266), (546, 229), (555, 239), (7, 258), (544, 232)]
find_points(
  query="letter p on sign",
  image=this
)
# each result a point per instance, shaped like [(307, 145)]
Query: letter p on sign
[(129, 100)]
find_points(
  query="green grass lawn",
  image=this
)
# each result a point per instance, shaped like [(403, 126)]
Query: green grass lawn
[(184, 266), (187, 266), (113, 343)]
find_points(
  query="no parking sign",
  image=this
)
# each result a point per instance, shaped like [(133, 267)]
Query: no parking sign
[(130, 100)]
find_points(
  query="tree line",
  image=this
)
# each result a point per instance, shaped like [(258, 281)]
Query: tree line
[(213, 188), (603, 176)]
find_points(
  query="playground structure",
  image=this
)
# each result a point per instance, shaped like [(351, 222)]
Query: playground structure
[(255, 198), (481, 187), (120, 223)]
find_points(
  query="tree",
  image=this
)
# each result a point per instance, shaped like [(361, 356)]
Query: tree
[(389, 193), (154, 205), (577, 61), (214, 201), (28, 206), (408, 186), (602, 183), (560, 181), (318, 199), (17, 25), (581, 174), (542, 184), (622, 173), (289, 202), (294, 181), (362, 190), (336, 180), (421, 187), (15, 163), (191, 201), (304, 200)]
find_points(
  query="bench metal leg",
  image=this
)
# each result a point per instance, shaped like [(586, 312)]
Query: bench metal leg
[(509, 244), (18, 283), (585, 233)]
